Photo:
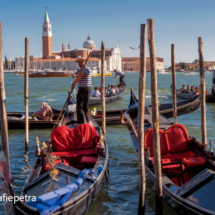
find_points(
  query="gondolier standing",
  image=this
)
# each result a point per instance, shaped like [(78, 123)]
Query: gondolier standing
[(122, 75), (84, 90)]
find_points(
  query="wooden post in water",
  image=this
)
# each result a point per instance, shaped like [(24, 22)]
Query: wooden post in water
[(140, 127), (103, 89), (174, 84), (202, 93), (155, 119), (4, 125), (26, 93)]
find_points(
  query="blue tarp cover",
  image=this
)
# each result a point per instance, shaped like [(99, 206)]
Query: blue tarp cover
[(52, 201)]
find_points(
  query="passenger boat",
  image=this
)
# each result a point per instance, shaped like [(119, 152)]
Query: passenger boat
[(19, 73), (48, 73), (97, 100), (95, 72), (188, 168), (59, 170), (210, 98)]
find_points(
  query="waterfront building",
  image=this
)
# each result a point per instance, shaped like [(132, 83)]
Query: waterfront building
[(65, 58), (133, 64)]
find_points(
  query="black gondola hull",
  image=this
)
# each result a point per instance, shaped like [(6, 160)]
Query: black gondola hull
[(112, 116), (180, 198)]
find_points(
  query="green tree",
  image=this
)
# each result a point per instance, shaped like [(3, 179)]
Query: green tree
[(192, 68), (183, 65), (196, 60)]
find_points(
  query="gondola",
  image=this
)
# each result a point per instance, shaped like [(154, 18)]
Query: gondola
[(113, 116), (59, 167), (210, 98), (188, 168), (97, 100), (16, 120)]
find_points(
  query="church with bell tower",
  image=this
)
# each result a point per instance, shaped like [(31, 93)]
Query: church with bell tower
[(47, 36), (65, 58)]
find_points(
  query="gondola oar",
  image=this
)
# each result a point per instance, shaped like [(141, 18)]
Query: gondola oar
[(113, 81), (72, 88)]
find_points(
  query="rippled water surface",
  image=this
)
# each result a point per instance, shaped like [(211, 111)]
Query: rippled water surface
[(120, 194)]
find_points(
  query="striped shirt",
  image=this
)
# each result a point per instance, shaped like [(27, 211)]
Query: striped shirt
[(120, 73), (85, 81)]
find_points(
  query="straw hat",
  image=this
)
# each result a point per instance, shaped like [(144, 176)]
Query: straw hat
[(79, 59)]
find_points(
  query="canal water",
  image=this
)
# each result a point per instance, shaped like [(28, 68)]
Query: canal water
[(120, 194)]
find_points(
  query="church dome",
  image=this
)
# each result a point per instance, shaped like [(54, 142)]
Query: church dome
[(89, 44)]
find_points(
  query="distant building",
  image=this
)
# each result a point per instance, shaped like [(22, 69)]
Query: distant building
[(65, 58), (133, 64)]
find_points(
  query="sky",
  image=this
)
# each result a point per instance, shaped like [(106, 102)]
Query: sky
[(178, 22)]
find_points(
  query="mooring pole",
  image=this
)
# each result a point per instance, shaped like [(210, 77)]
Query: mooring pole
[(155, 119), (103, 89), (140, 127), (174, 84), (4, 125), (202, 81), (26, 93)]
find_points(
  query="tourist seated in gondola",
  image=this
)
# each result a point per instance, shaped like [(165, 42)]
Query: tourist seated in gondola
[(196, 91), (183, 89), (192, 90), (107, 92), (188, 89), (116, 89), (112, 91), (96, 92)]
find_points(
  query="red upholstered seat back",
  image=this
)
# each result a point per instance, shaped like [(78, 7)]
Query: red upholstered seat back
[(82, 137), (149, 141), (174, 140), (178, 138)]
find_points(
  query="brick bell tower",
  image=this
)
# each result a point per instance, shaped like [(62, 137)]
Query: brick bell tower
[(47, 36)]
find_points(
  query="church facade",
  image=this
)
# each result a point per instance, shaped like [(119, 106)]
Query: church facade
[(65, 58)]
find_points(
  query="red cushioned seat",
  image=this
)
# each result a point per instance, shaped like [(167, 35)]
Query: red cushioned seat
[(148, 141), (164, 158), (173, 142), (83, 136), (72, 144), (177, 139), (88, 160), (171, 168), (179, 156), (193, 161)]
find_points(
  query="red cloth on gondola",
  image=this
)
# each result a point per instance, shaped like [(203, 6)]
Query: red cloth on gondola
[(83, 136), (194, 161)]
